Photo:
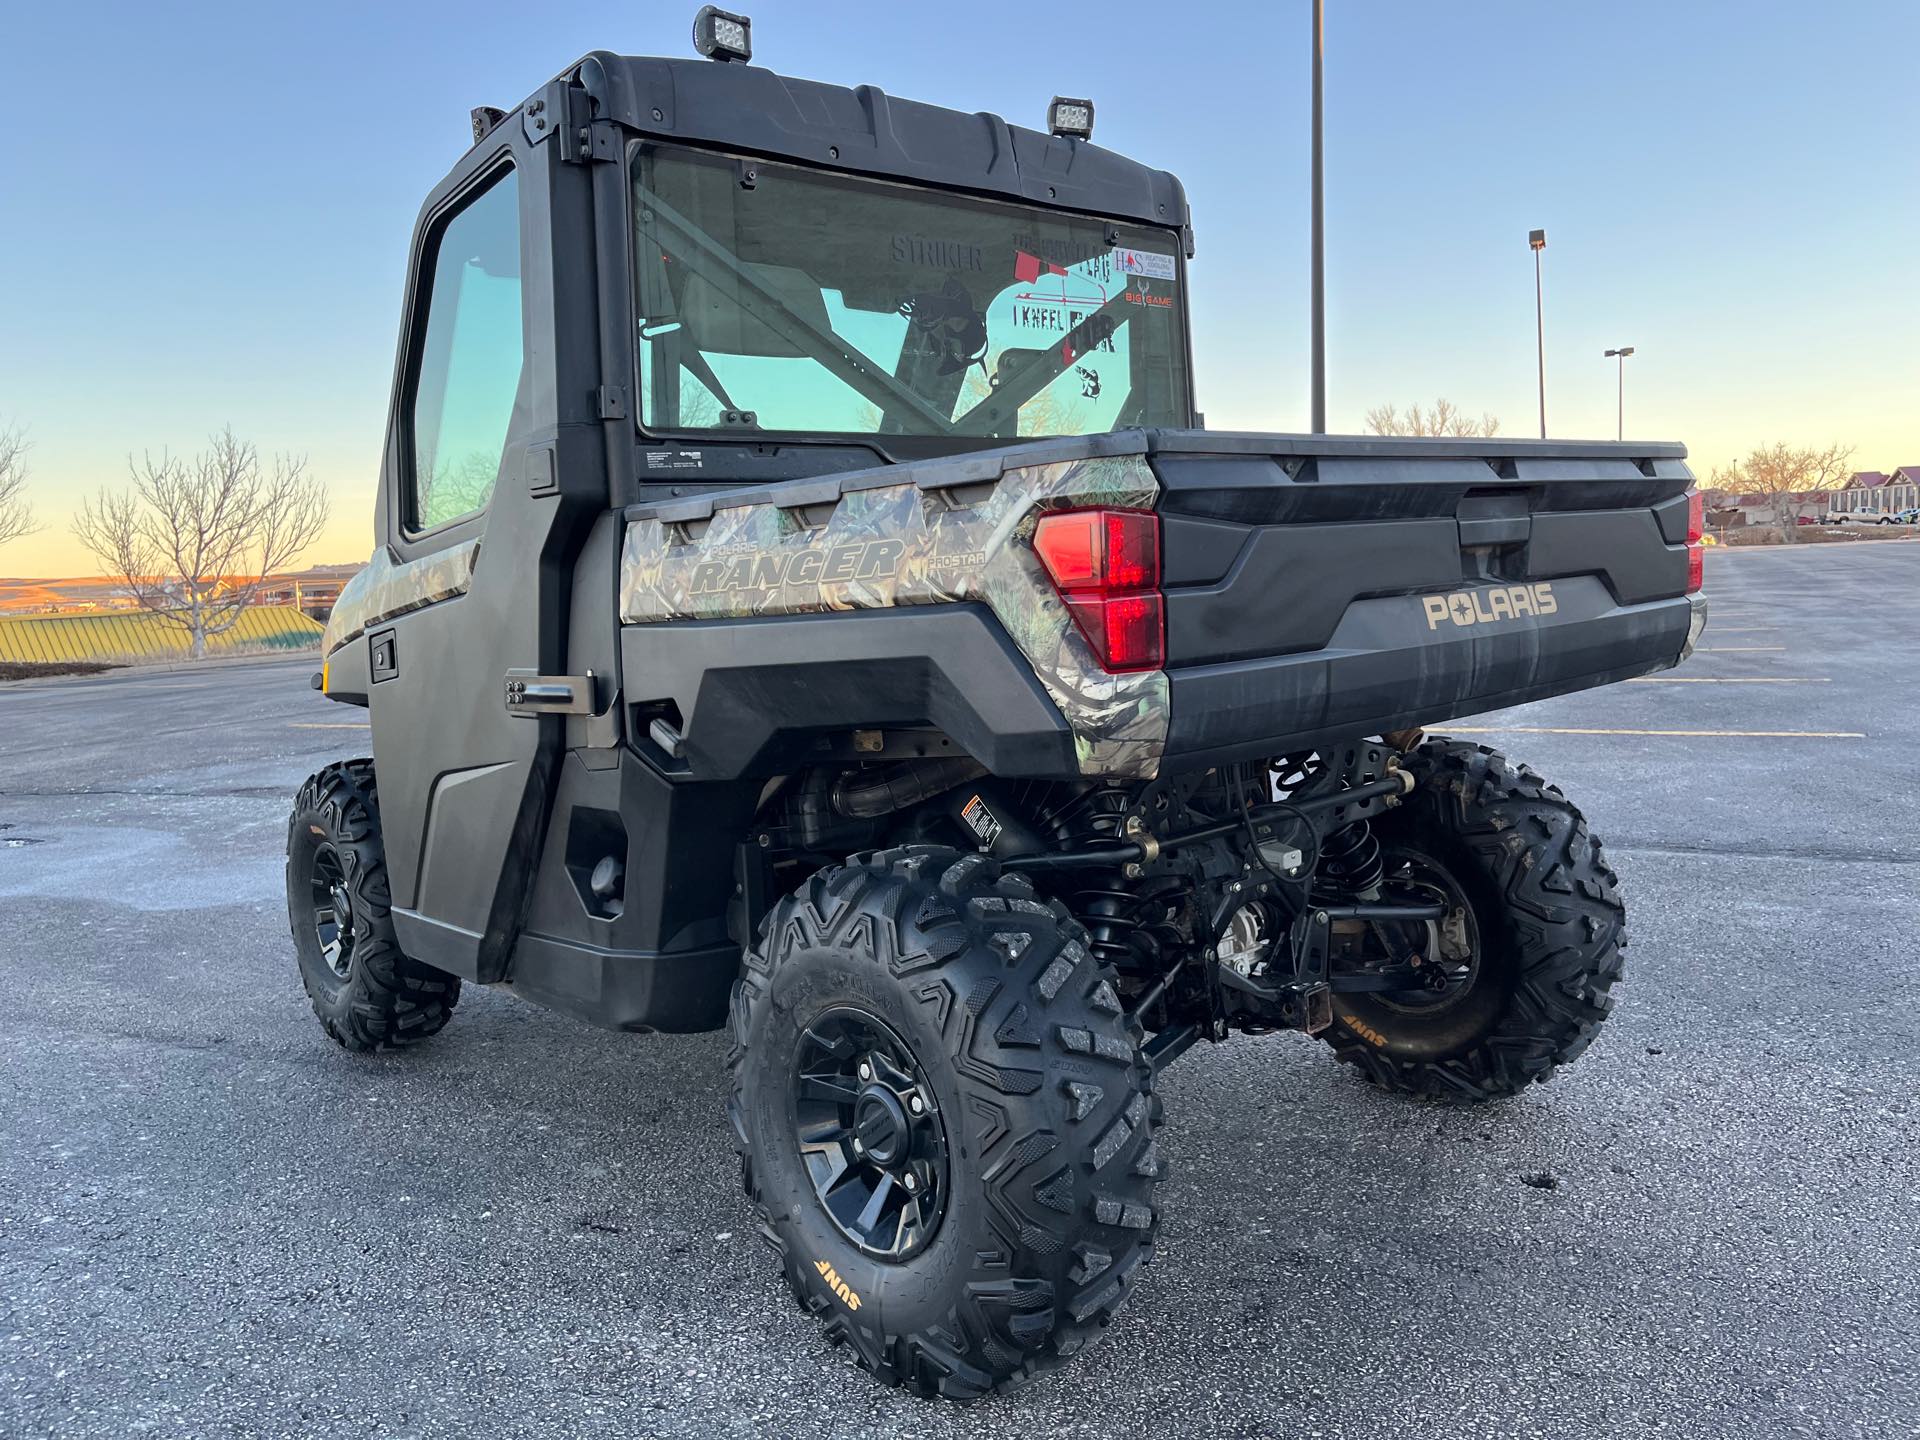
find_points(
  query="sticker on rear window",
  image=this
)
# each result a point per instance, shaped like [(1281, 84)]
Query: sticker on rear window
[(1144, 262)]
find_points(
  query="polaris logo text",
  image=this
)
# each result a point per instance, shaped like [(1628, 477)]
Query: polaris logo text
[(1498, 602), (839, 1287), (769, 570)]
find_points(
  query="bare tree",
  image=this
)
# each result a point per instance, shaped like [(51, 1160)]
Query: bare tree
[(1722, 492), (1782, 473), (193, 540), (1445, 418), (16, 515)]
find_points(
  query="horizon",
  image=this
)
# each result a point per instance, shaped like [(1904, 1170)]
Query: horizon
[(1753, 244)]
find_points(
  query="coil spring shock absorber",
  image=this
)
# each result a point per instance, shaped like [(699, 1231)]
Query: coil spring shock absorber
[(1351, 866), (1115, 913), (1112, 918)]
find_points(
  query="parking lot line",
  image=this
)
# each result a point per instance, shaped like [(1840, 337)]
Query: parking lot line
[(1731, 680), (1735, 649), (330, 724), (1696, 734)]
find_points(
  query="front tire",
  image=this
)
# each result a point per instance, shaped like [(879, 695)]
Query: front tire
[(365, 990), (1548, 922), (1035, 1167)]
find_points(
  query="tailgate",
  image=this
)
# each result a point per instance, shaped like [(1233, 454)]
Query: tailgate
[(1318, 586)]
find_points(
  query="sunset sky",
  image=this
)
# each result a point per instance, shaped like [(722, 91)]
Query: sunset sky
[(205, 212)]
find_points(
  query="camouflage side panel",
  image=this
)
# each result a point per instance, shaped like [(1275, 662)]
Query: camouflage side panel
[(901, 545), (384, 590)]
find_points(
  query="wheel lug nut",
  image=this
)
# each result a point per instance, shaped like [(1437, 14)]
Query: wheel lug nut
[(916, 1104), (866, 1071), (857, 1146), (912, 1184)]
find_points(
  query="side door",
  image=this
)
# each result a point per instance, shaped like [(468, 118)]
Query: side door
[(481, 537)]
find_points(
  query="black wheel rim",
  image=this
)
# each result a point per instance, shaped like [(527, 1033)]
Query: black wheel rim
[(332, 911), (1448, 949), (870, 1134)]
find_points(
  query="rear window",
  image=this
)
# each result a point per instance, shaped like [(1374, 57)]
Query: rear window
[(789, 300)]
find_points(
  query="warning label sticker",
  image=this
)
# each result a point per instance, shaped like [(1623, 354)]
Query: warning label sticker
[(673, 460)]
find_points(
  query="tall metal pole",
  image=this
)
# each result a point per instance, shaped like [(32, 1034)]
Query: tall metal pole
[(1620, 399), (1538, 240), (1620, 392), (1319, 243)]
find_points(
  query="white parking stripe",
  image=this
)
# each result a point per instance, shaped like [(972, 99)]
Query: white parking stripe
[(1696, 734)]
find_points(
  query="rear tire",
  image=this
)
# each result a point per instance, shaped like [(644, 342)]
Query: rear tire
[(364, 988), (1550, 923), (1044, 1165)]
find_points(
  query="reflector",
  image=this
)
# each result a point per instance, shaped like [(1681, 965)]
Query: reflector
[(1696, 552)]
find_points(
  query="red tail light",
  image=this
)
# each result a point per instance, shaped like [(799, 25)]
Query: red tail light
[(1696, 552), (1106, 566)]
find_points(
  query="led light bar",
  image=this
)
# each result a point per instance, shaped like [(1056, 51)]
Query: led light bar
[(1071, 118), (721, 35)]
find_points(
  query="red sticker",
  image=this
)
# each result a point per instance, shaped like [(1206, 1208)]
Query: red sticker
[(1029, 268)]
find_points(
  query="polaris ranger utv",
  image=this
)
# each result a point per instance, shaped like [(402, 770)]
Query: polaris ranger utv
[(805, 603)]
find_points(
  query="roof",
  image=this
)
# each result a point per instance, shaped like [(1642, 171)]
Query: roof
[(1751, 501), (1866, 479), (752, 109), (1907, 475)]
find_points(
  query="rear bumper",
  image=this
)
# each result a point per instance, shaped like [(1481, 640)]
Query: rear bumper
[(1387, 668)]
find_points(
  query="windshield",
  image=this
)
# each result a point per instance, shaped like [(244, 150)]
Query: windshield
[(779, 299)]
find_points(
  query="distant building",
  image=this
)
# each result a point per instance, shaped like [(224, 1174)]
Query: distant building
[(313, 591), (1880, 492), (82, 596), (1728, 510), (1876, 491)]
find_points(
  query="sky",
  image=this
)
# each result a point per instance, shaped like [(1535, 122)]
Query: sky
[(205, 209)]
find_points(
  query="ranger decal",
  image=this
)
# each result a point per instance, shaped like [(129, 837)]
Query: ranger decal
[(753, 569), (899, 544)]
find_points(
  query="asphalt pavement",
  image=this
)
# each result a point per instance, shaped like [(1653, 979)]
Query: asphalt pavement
[(214, 1222)]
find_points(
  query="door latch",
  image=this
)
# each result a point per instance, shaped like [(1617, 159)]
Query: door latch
[(383, 656), (528, 692)]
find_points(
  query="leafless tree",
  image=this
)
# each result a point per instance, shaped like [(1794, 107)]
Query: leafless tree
[(455, 488), (1722, 491), (194, 539), (16, 515), (1445, 418), (1782, 473)]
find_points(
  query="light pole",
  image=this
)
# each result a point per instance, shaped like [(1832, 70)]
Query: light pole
[(1620, 398), (1318, 305), (1538, 240)]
